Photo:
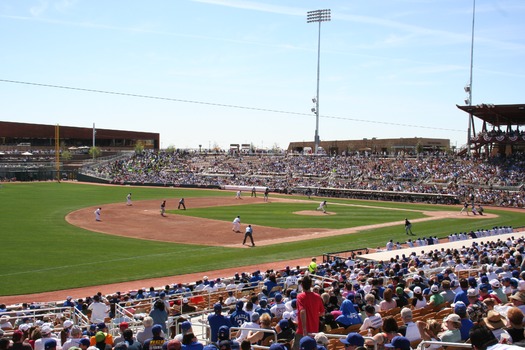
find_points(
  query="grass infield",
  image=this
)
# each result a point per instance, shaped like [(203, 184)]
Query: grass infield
[(42, 252)]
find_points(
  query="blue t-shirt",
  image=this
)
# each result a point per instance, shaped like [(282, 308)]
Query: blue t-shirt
[(238, 317), (216, 321)]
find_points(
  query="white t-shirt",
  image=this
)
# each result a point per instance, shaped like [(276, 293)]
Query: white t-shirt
[(374, 321), (99, 311), (244, 332)]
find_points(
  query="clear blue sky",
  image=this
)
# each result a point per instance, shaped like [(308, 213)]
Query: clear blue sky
[(389, 68)]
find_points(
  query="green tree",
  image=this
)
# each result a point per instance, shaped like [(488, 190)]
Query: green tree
[(419, 147), (66, 155), (139, 147), (95, 152)]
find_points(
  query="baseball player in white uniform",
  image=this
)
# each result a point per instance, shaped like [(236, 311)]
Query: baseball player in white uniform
[(322, 206), (128, 199), (237, 224), (97, 214)]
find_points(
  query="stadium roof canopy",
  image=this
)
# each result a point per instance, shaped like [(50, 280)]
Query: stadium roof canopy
[(498, 115)]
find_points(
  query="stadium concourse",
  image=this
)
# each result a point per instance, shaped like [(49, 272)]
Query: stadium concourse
[(386, 255)]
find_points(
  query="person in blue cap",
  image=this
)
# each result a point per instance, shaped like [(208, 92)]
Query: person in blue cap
[(399, 343), (239, 316), (309, 343), (156, 342), (278, 308), (263, 307), (352, 341), (216, 320)]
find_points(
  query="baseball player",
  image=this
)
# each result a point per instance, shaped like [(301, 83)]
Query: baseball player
[(237, 224), (97, 214), (163, 208), (465, 208), (128, 199), (408, 227), (266, 193), (322, 206)]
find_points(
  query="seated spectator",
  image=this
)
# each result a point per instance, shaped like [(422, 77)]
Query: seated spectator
[(475, 309), (242, 334), (390, 330), (145, 333), (436, 299), (260, 337), (399, 343), (370, 299), (495, 323), (373, 319), (482, 338), (518, 300), (451, 334), (515, 328), (353, 341), (284, 331), (388, 301), (100, 341), (401, 298), (132, 342), (409, 330), (321, 339), (429, 331), (460, 309), (418, 301), (447, 294), (349, 315)]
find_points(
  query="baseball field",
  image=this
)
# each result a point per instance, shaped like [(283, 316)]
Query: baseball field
[(50, 240)]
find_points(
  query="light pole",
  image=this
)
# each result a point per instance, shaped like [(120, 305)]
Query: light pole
[(468, 88), (317, 16)]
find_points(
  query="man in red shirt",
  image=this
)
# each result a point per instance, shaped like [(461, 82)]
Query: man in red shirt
[(309, 308)]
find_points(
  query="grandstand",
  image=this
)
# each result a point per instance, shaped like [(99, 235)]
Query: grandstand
[(500, 131), (193, 302), (428, 178)]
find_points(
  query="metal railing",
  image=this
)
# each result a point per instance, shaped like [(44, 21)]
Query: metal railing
[(443, 343)]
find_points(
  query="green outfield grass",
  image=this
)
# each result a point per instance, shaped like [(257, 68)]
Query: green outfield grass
[(42, 252)]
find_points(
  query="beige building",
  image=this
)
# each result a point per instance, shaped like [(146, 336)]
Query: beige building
[(374, 145)]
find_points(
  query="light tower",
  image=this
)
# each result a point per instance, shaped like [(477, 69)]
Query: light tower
[(317, 16)]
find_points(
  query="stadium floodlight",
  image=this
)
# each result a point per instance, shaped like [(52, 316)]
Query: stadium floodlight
[(318, 16)]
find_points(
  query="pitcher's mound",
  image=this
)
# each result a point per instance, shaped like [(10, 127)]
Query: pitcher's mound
[(313, 213)]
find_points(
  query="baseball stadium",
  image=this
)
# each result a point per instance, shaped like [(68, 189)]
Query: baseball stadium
[(397, 217)]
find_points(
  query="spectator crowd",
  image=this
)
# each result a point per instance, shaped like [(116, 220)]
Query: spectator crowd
[(496, 181), (475, 293)]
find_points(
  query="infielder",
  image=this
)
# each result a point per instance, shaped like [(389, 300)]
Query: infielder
[(322, 206), (237, 224), (266, 193), (163, 208), (97, 214), (238, 195), (128, 199)]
